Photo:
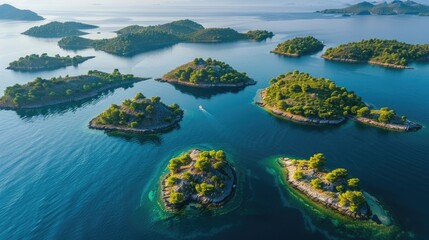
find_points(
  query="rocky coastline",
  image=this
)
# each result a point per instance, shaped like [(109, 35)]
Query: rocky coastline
[(206, 85), (318, 196), (388, 65), (162, 127)]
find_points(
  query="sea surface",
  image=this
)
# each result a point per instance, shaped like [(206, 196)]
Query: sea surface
[(61, 180)]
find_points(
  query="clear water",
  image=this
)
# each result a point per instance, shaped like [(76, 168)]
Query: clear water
[(60, 180)]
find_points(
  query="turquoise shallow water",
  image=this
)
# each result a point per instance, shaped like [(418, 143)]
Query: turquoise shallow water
[(58, 179)]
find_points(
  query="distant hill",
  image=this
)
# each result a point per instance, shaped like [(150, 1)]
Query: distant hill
[(393, 8), (58, 29), (12, 13), (135, 39)]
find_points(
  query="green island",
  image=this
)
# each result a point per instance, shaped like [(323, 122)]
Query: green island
[(305, 99), (395, 7), (334, 200), (208, 73), (204, 178), (135, 39), (42, 92), (299, 46), (386, 53), (10, 12), (36, 62), (333, 189), (139, 115), (58, 30)]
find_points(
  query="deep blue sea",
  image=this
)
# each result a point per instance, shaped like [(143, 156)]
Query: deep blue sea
[(61, 180)]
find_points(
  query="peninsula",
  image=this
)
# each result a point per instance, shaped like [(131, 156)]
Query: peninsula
[(299, 46), (199, 177), (208, 73), (139, 115), (36, 62), (305, 99), (42, 92), (386, 53), (9, 12), (332, 189), (58, 30), (395, 7), (136, 39)]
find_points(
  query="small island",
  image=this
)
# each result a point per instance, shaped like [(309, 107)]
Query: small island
[(58, 30), (199, 177), (135, 39), (42, 92), (139, 115), (299, 46), (34, 62), (395, 7), (305, 99), (208, 73), (386, 53), (332, 189), (9, 12)]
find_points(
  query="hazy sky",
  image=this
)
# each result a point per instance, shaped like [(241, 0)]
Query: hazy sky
[(292, 4)]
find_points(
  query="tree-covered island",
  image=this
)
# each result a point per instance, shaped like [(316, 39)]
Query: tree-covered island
[(333, 189), (303, 98), (58, 30), (387, 53), (199, 177), (139, 115), (135, 39), (208, 73), (36, 62), (42, 92), (299, 46)]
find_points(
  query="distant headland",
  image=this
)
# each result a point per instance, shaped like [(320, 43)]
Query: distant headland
[(135, 39), (9, 12), (395, 7)]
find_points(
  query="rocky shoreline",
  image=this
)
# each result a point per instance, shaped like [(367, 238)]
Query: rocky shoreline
[(388, 65), (72, 99), (320, 197), (286, 54), (206, 85), (407, 127), (159, 128), (298, 118), (204, 201)]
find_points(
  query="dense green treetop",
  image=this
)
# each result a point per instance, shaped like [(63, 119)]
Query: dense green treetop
[(299, 46), (259, 35), (42, 91), (139, 113), (380, 51), (198, 174), (134, 39), (10, 12), (393, 8), (336, 182), (207, 71), (58, 29), (301, 94), (40, 62)]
